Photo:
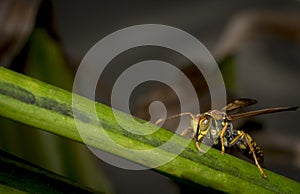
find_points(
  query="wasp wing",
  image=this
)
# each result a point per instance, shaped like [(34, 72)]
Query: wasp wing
[(259, 112), (238, 103)]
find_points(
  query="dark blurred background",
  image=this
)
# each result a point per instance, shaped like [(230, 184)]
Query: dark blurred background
[(256, 44)]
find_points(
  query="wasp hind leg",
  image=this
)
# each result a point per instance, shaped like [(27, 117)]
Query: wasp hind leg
[(243, 135)]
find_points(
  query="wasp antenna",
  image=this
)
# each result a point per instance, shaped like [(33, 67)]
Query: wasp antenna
[(159, 121), (174, 116)]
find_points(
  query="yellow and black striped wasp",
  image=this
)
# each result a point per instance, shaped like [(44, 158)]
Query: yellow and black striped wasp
[(215, 128)]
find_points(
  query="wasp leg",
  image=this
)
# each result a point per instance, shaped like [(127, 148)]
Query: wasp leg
[(254, 155), (222, 134), (188, 132), (244, 136), (198, 147)]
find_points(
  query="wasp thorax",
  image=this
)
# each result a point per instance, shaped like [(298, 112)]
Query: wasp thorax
[(217, 115)]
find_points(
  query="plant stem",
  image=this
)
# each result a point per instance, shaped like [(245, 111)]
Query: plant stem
[(50, 108)]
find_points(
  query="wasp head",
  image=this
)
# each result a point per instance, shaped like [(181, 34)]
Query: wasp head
[(209, 124)]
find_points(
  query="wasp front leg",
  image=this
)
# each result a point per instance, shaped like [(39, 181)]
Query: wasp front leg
[(198, 146), (188, 132), (222, 136)]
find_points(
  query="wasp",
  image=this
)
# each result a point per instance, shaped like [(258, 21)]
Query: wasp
[(215, 128)]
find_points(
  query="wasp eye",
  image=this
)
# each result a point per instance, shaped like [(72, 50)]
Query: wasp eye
[(204, 123)]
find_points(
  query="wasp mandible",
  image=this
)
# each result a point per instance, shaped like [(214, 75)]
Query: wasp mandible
[(215, 128)]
